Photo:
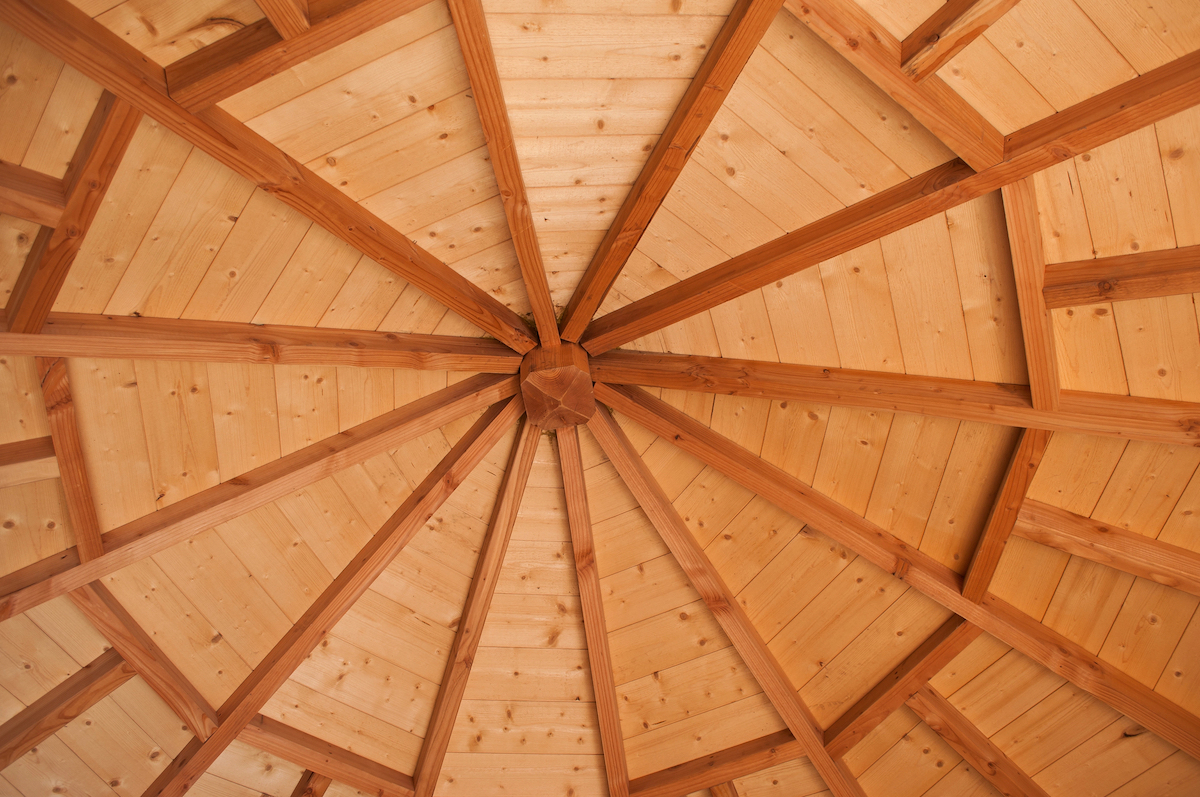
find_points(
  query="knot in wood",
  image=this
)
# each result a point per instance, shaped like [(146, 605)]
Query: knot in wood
[(556, 383)]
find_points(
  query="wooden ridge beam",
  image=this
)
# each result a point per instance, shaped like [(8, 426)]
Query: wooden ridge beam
[(1113, 546), (1157, 94), (1130, 417), (1029, 269), (311, 785), (875, 52), (904, 680), (135, 337), (42, 718), (721, 601), (61, 573), (591, 599), (936, 581), (314, 754), (475, 611), (94, 165), (720, 767), (252, 694), (1139, 275), (31, 195), (747, 23), (947, 33), (27, 461), (1022, 467), (68, 33), (288, 17)]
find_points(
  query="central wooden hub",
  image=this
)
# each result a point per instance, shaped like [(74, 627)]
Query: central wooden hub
[(556, 384)]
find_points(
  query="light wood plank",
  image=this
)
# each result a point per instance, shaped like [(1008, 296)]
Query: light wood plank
[(946, 33), (31, 195), (1141, 275), (290, 19)]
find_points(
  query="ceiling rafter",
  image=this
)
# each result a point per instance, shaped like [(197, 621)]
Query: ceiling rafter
[(727, 789), (25, 461), (68, 33), (947, 32), (56, 575), (747, 23), (475, 610), (936, 581), (332, 604), (1153, 96), (288, 17), (717, 596), (311, 785), (31, 195), (719, 767), (1139, 275)]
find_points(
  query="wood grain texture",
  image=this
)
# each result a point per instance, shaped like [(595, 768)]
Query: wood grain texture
[(724, 605), (475, 611), (720, 767), (1022, 467), (747, 22), (947, 32), (973, 745), (31, 195), (727, 789), (130, 337), (94, 164), (1140, 275), (311, 785), (137, 539), (244, 704), (557, 386), (901, 683), (1110, 545), (288, 17), (591, 598), (22, 451), (44, 717)]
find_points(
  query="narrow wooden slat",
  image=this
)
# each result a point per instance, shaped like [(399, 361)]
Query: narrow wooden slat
[(591, 599), (1029, 267), (973, 745), (288, 17), (130, 337), (717, 596), (476, 45), (475, 611), (27, 461), (1022, 467), (311, 785), (950, 639), (724, 790), (162, 529), (31, 195), (43, 718), (1110, 545), (64, 30), (720, 767), (945, 34), (94, 165), (747, 22), (317, 755), (1159, 93), (354, 580), (22, 451), (875, 52), (1139, 275)]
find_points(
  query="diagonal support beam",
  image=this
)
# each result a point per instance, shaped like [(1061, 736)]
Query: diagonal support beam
[(288, 17), (31, 195), (475, 611), (947, 33), (740, 35), (722, 602), (1029, 269), (727, 789), (311, 785), (720, 767)]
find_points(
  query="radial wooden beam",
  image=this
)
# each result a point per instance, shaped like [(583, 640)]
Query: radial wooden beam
[(31, 195), (476, 45), (475, 611), (1022, 467), (1159, 93), (591, 598), (1140, 275), (317, 755), (354, 580), (68, 33), (288, 17), (57, 575), (1029, 268), (945, 34), (740, 35), (727, 789), (257, 51), (938, 650), (94, 164), (875, 52), (973, 745), (1113, 546), (720, 767), (936, 581), (135, 337), (1156, 420), (44, 717), (27, 461), (311, 785), (724, 605)]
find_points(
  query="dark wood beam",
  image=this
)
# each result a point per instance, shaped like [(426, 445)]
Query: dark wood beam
[(721, 601), (740, 35), (945, 34), (591, 598), (61, 573), (27, 461), (311, 785), (135, 337), (727, 789), (1159, 93), (475, 611), (288, 17), (68, 33), (1140, 275), (1029, 268), (94, 164), (31, 195), (720, 767)]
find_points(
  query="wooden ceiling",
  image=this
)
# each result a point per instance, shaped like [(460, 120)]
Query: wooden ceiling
[(893, 485)]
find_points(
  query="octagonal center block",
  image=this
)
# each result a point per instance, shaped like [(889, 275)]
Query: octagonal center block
[(556, 383)]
